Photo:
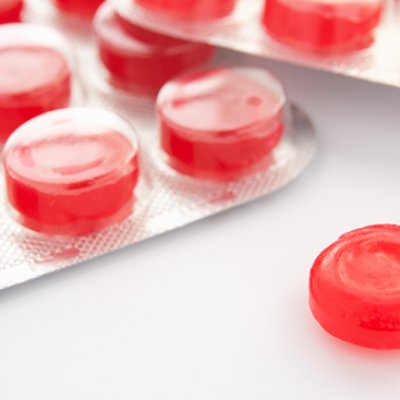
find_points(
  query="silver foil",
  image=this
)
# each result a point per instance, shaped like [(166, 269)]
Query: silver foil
[(165, 200), (242, 31)]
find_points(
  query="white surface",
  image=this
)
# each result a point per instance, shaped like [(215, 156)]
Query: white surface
[(219, 310)]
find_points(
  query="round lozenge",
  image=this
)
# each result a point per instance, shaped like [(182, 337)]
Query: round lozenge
[(35, 74), (192, 9), (10, 11), (83, 8), (141, 61), (323, 25), (221, 123), (355, 287), (72, 171)]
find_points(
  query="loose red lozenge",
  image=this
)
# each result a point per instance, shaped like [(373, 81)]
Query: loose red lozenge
[(142, 61), (84, 8), (355, 287), (193, 9), (221, 124), (10, 11), (71, 171), (323, 25), (35, 76)]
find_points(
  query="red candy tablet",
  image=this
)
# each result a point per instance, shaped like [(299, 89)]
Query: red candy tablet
[(193, 9), (35, 75), (323, 25), (355, 287), (10, 11), (71, 171), (221, 124), (84, 8), (142, 61)]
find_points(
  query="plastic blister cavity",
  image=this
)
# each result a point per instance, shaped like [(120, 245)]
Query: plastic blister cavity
[(221, 123), (36, 74), (192, 9), (72, 171), (141, 61)]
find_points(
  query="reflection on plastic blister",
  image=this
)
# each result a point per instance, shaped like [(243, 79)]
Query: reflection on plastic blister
[(165, 200), (243, 31)]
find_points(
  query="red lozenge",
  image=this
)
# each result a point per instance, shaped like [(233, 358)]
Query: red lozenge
[(83, 8), (72, 171), (192, 9), (35, 75), (323, 25), (355, 287), (221, 124), (142, 61), (10, 11)]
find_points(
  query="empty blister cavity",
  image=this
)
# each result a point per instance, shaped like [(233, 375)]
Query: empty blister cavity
[(72, 171), (221, 123), (141, 61), (36, 74), (323, 25)]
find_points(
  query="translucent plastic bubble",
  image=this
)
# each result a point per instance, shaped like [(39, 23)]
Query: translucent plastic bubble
[(142, 61), (35, 74), (323, 25), (72, 171), (221, 123)]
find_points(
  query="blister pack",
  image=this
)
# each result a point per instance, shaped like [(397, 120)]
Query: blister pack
[(123, 164), (357, 38)]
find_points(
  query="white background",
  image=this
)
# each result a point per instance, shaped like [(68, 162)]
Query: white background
[(218, 310)]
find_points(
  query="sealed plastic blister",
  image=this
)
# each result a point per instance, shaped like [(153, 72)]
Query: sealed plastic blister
[(141, 61), (72, 171), (82, 182), (357, 38), (36, 74), (221, 123)]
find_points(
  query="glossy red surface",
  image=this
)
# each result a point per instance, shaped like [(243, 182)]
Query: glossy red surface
[(10, 11), (84, 8), (220, 124), (355, 287), (142, 61), (33, 80), (193, 9), (323, 25), (71, 177)]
